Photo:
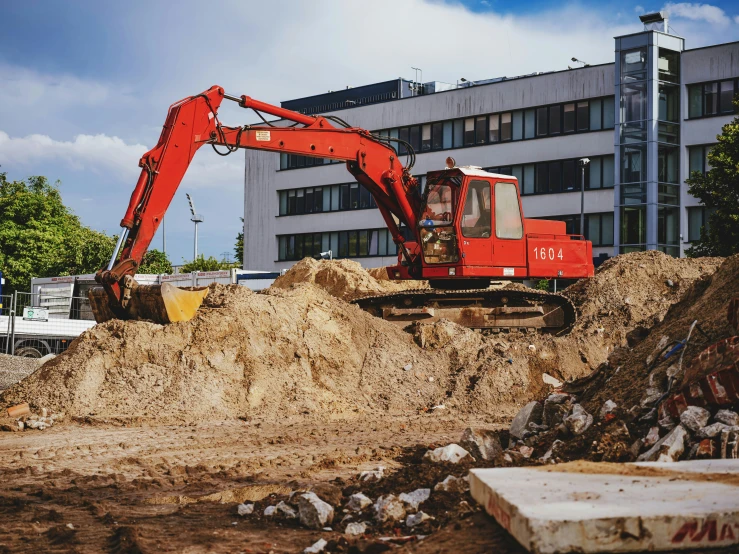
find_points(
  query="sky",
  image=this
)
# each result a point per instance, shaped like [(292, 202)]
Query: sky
[(85, 85)]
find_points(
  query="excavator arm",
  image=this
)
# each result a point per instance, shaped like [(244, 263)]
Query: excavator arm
[(192, 123)]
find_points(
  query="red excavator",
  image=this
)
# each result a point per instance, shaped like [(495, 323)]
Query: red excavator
[(467, 227)]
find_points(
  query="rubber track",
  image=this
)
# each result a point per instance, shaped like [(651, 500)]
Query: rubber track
[(515, 298)]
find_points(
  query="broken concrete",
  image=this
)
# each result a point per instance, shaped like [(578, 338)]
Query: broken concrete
[(452, 453), (668, 448), (314, 512), (389, 508), (530, 413), (358, 502), (414, 499), (579, 420), (695, 418), (482, 444)]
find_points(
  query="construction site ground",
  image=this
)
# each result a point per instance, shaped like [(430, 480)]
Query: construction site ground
[(163, 431)]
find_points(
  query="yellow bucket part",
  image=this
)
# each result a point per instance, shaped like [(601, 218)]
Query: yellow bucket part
[(161, 304)]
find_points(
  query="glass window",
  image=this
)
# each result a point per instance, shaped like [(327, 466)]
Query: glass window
[(555, 176), (382, 235), (634, 163), (404, 135), (447, 133), (300, 201), (290, 254), (595, 115), (283, 161), (517, 125), (668, 66), (437, 136), (335, 197), (583, 121), (363, 240), (326, 207), (542, 178), (633, 102), (609, 173), (696, 159), (508, 224), (727, 97), (299, 247), (634, 131), (345, 201), (505, 126), (606, 229), (282, 248), (668, 194), (542, 122), (481, 129), (555, 120), (353, 240), (609, 113), (569, 118), (343, 244), (476, 216), (633, 193), (593, 229), (529, 178), (668, 132), (494, 128), (309, 202), (458, 133), (529, 124), (415, 138), (634, 225), (571, 177), (517, 172), (334, 243), (301, 161), (425, 138), (283, 202), (469, 131), (594, 169), (325, 244), (696, 220), (354, 196), (669, 103), (372, 239), (668, 225), (695, 101), (710, 99), (364, 197), (634, 65), (668, 164)]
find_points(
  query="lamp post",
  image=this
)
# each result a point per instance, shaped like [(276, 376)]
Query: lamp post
[(196, 218), (583, 164)]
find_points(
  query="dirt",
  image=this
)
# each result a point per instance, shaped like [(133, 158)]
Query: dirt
[(169, 427)]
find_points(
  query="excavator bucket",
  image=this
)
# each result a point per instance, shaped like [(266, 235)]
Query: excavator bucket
[(161, 304)]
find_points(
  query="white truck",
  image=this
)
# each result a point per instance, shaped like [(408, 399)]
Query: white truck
[(56, 311)]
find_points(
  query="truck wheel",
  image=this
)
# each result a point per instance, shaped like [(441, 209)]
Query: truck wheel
[(28, 352)]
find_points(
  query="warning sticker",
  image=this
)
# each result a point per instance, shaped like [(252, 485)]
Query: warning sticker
[(263, 136), (508, 272)]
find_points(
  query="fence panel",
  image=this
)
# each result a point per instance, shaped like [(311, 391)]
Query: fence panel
[(6, 323), (47, 324)]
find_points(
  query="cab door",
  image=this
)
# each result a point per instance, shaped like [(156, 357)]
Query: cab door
[(509, 249), (476, 225)]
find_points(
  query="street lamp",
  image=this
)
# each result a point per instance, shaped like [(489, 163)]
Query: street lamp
[(583, 164), (585, 64), (196, 218)]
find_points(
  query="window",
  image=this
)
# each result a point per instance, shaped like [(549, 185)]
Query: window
[(437, 136), (633, 102), (594, 169), (415, 138), (425, 138), (505, 126), (698, 159), (542, 122), (668, 164), (634, 65), (695, 101), (404, 135), (634, 167), (469, 131), (669, 103), (517, 125), (529, 178), (476, 217), (569, 118), (542, 178), (508, 224), (555, 176), (283, 202), (458, 133), (634, 225), (529, 124), (710, 99), (668, 225), (494, 128), (596, 117), (583, 120), (609, 113), (668, 66), (481, 130), (571, 177), (555, 120), (300, 201), (727, 97), (697, 219)]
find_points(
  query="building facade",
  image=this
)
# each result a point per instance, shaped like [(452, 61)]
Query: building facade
[(644, 121)]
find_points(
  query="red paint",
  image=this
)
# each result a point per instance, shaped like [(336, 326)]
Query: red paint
[(707, 533)]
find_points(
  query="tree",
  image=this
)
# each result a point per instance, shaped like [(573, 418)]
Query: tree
[(201, 263), (239, 246), (718, 191), (155, 262), (41, 237)]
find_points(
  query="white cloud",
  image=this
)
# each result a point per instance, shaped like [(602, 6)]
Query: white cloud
[(698, 12), (639, 9), (110, 159), (736, 19)]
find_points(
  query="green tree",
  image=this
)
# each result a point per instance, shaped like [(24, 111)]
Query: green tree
[(718, 190), (201, 263), (239, 246), (155, 262), (41, 237)]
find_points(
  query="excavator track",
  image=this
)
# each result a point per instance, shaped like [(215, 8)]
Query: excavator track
[(486, 309)]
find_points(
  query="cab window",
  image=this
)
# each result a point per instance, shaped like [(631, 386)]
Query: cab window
[(476, 216), (508, 224)]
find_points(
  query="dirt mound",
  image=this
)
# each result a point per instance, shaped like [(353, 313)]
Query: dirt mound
[(343, 279)]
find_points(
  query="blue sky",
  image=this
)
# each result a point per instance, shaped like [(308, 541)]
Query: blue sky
[(85, 86)]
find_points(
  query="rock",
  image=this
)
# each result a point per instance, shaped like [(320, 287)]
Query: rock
[(407, 367), (531, 412), (389, 508), (285, 511), (358, 502), (416, 519), (636, 447), (452, 484), (609, 407), (579, 420), (269, 511), (648, 417), (706, 449), (482, 444), (328, 493), (317, 547), (663, 342), (666, 423), (355, 528), (558, 398), (245, 509), (727, 417), (551, 381), (414, 499), (451, 453), (668, 448), (652, 437), (532, 348), (526, 451), (534, 428), (711, 431), (695, 418), (314, 512), (729, 448), (556, 407), (549, 453), (651, 395), (372, 475)]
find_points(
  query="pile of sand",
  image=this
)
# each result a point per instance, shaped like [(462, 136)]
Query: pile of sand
[(300, 348)]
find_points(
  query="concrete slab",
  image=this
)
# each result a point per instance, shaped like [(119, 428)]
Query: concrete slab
[(586, 507)]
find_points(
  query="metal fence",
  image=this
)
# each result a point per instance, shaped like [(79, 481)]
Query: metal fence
[(35, 324)]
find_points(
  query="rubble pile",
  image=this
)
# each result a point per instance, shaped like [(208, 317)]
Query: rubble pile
[(672, 395)]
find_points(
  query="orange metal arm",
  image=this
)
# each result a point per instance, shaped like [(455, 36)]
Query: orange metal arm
[(193, 122)]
